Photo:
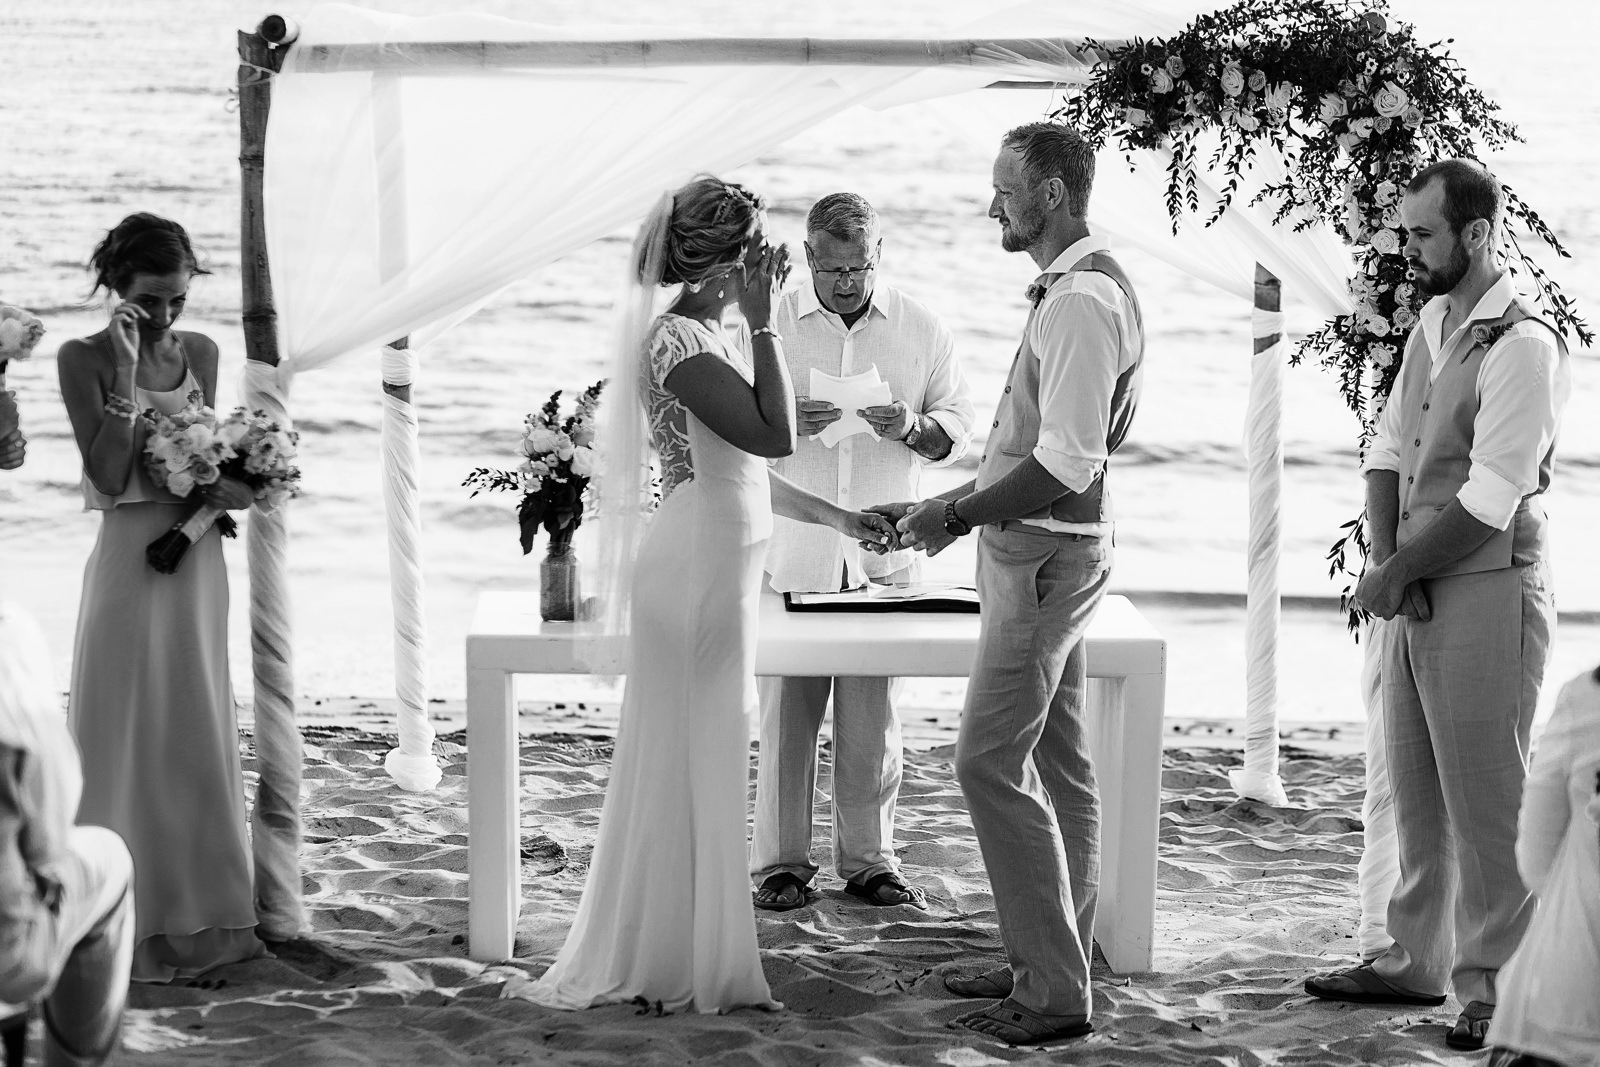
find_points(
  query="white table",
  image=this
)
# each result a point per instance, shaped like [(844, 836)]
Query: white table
[(1126, 696)]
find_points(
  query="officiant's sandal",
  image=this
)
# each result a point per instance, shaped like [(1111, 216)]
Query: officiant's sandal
[(872, 891), (1471, 1027), (782, 892), (1363, 985)]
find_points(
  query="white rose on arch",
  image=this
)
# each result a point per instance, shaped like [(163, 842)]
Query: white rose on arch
[(1386, 242), (1386, 192), (1377, 325), (1232, 79), (1382, 355), (1136, 117), (1412, 116), (1248, 122), (1160, 81), (1281, 95), (1361, 127), (1390, 101), (1333, 107)]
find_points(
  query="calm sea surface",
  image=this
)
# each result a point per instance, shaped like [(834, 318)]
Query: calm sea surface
[(111, 107)]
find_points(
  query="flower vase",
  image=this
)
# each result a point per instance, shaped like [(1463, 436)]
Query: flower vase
[(558, 583)]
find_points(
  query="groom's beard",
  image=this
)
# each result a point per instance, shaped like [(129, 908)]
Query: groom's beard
[(1446, 278), (1023, 234)]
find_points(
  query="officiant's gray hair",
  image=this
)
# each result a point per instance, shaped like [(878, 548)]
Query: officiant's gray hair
[(1051, 150), (846, 216)]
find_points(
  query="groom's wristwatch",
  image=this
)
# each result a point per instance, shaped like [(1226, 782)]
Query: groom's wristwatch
[(954, 524)]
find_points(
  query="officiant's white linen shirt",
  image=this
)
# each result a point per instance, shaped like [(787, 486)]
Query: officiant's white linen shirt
[(1523, 385), (915, 354)]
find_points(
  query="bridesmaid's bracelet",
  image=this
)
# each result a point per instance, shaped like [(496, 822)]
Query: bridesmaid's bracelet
[(122, 408), (776, 336)]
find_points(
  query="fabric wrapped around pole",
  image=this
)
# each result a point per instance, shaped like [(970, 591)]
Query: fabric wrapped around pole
[(1379, 869), (275, 819), (1259, 778), (412, 764)]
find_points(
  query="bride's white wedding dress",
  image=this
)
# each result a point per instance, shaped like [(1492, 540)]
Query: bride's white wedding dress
[(666, 910)]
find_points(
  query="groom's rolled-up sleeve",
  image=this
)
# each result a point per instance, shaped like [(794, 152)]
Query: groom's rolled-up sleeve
[(1078, 339), (1383, 451)]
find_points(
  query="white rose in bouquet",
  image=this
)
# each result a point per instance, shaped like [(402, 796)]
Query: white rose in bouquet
[(181, 482), (19, 333), (541, 441), (584, 462)]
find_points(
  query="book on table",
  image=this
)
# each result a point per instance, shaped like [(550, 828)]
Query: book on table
[(925, 596)]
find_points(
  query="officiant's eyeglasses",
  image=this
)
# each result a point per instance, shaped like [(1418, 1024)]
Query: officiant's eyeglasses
[(847, 272)]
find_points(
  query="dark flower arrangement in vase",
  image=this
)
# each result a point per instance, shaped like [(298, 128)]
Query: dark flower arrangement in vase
[(559, 462)]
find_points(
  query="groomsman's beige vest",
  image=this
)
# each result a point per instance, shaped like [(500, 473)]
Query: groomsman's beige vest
[(1436, 449), (1016, 428)]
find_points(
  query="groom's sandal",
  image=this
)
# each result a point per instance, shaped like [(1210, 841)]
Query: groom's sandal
[(991, 985), (782, 892), (1363, 985), (1010, 1022), (873, 891), (1471, 1026)]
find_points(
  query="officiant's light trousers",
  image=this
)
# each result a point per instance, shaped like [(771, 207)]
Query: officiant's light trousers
[(1023, 759), (867, 766), (1459, 697)]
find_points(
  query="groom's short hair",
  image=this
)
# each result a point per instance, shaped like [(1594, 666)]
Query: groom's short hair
[(1470, 191), (1051, 150), (846, 216)]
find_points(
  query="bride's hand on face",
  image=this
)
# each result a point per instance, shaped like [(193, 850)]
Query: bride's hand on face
[(124, 332), (764, 283)]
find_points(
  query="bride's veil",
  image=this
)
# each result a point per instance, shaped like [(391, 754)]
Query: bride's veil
[(623, 487)]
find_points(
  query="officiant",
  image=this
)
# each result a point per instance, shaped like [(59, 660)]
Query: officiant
[(845, 324)]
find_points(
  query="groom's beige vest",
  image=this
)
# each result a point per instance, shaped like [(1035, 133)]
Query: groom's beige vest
[(1435, 439), (1016, 427)]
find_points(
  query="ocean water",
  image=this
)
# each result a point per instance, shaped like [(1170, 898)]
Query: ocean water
[(110, 107)]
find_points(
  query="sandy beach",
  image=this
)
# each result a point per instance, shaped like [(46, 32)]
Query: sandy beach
[(1252, 898)]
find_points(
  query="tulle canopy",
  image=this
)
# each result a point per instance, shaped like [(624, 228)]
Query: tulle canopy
[(406, 182)]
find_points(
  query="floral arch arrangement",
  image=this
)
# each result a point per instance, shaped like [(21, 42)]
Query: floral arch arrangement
[(1355, 106)]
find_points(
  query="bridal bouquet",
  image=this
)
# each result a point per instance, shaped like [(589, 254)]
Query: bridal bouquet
[(195, 447), (559, 459), (19, 333)]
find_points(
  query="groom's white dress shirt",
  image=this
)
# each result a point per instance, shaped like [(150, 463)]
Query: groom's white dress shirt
[(915, 354)]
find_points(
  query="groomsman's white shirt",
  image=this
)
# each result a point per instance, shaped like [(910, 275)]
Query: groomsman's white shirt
[(915, 353), (1080, 322), (1523, 385)]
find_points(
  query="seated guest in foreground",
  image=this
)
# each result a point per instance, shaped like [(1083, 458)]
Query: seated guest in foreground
[(1044, 559), (66, 897), (151, 701), (1455, 479), (1549, 1010), (13, 445), (842, 324)]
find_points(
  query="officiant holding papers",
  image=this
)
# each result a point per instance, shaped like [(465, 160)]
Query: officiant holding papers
[(845, 325)]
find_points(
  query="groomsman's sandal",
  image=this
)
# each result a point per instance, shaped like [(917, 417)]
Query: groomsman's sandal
[(872, 891), (1014, 1024), (1471, 1026), (991, 985), (1363, 985), (783, 892)]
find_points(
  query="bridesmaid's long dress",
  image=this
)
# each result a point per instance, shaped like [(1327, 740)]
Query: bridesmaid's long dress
[(152, 710)]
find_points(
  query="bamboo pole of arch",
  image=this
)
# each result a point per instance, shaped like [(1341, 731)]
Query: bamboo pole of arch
[(275, 819)]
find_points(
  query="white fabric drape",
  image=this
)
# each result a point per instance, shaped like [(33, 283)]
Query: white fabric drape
[(275, 818), (1258, 779)]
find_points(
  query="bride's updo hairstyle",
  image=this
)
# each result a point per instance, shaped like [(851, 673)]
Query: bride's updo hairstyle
[(142, 243), (705, 230)]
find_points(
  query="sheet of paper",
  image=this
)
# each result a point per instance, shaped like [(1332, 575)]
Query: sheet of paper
[(849, 395)]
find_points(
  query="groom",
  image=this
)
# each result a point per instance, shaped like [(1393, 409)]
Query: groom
[(1044, 558)]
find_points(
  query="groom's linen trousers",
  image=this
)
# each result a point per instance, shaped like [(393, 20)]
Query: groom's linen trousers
[(1023, 760)]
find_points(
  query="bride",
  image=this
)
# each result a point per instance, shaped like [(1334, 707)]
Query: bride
[(666, 912)]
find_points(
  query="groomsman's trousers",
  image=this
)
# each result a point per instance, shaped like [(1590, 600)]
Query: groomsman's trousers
[(1023, 760), (1459, 697)]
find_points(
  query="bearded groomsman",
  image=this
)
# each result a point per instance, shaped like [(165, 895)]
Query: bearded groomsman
[(1455, 480), (1044, 560), (844, 323)]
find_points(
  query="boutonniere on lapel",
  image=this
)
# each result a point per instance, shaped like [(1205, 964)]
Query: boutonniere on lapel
[(1487, 333), (1036, 293)]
